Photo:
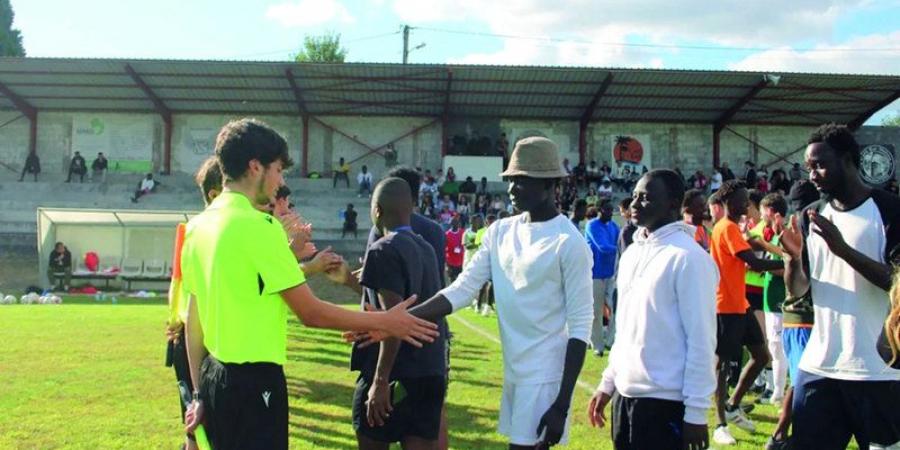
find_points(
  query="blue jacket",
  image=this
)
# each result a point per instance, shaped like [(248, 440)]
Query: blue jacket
[(602, 238)]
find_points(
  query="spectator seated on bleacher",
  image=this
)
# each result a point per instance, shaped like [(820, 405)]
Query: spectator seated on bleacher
[(483, 189), (605, 190), (350, 225), (32, 166), (146, 186), (446, 202), (429, 188), (451, 175), (364, 180), (464, 209), (99, 168), (566, 166), (445, 216), (580, 174), (60, 265), (78, 166), (498, 205), (450, 188), (467, 190), (593, 173), (592, 198), (342, 170)]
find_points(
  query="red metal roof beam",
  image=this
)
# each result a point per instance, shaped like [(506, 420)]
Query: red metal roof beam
[(862, 118), (20, 103), (298, 94), (722, 121), (601, 91), (162, 110)]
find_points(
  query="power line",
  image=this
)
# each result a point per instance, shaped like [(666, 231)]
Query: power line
[(661, 46)]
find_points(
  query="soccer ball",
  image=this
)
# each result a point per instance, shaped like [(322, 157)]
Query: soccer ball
[(29, 299), (8, 300), (55, 300)]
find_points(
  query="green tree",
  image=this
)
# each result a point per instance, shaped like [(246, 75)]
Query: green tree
[(325, 48), (892, 120), (10, 39)]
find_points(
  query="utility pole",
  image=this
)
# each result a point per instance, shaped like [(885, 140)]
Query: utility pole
[(405, 43)]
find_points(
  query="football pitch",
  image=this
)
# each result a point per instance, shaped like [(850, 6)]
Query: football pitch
[(89, 375)]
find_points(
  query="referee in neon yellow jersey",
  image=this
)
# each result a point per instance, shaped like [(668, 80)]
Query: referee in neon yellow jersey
[(242, 278)]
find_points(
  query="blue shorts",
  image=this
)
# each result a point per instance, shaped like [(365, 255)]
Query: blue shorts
[(794, 340)]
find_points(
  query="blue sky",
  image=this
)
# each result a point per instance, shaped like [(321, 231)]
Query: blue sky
[(844, 36)]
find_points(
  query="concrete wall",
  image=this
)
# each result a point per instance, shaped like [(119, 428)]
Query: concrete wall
[(688, 147)]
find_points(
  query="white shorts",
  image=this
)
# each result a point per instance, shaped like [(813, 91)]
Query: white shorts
[(521, 409)]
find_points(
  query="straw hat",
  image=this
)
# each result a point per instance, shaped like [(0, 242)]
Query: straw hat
[(535, 157)]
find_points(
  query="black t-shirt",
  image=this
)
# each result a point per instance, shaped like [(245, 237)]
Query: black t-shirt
[(403, 263), (626, 237), (350, 217), (429, 230), (99, 164), (468, 187)]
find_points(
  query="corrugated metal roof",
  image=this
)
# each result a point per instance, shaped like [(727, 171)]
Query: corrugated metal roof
[(564, 93)]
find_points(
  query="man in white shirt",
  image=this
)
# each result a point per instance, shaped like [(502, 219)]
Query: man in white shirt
[(660, 375), (364, 179), (146, 186), (842, 252), (540, 266)]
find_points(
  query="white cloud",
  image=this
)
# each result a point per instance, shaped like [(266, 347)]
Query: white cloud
[(759, 23), (853, 56), (306, 13)]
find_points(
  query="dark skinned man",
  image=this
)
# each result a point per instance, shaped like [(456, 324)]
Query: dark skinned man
[(400, 390), (842, 251), (660, 374), (736, 327), (540, 267)]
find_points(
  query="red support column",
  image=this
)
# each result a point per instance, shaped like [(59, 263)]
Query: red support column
[(582, 141), (167, 144), (304, 163), (717, 134), (32, 134), (444, 138)]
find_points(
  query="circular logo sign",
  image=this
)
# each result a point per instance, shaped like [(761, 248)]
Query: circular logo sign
[(877, 163)]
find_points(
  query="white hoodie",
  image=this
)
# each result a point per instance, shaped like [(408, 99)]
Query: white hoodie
[(665, 321)]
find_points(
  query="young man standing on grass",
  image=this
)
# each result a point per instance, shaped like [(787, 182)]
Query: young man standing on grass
[(209, 180), (660, 375), (540, 268), (736, 325), (400, 390), (242, 278), (843, 251), (454, 249), (601, 234)]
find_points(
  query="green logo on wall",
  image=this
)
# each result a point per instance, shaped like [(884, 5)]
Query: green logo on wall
[(97, 126)]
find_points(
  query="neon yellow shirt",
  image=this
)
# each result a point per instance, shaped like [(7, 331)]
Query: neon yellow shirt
[(235, 261), (756, 278)]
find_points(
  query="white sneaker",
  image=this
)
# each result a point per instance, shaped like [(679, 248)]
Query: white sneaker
[(739, 418), (485, 310), (775, 400), (723, 437)]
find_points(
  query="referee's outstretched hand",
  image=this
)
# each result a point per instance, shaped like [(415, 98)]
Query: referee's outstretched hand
[(399, 323)]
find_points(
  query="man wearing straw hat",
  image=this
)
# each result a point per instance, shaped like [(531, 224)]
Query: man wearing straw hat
[(540, 266)]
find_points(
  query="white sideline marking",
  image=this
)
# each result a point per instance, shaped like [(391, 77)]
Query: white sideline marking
[(492, 338)]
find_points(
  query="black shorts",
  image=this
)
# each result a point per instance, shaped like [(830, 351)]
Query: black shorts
[(756, 301), (417, 414), (733, 332), (246, 405), (176, 357), (646, 423), (828, 411)]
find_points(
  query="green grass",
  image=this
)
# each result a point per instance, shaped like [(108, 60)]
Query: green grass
[(89, 376)]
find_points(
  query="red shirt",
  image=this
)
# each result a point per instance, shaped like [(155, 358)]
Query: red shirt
[(454, 251)]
